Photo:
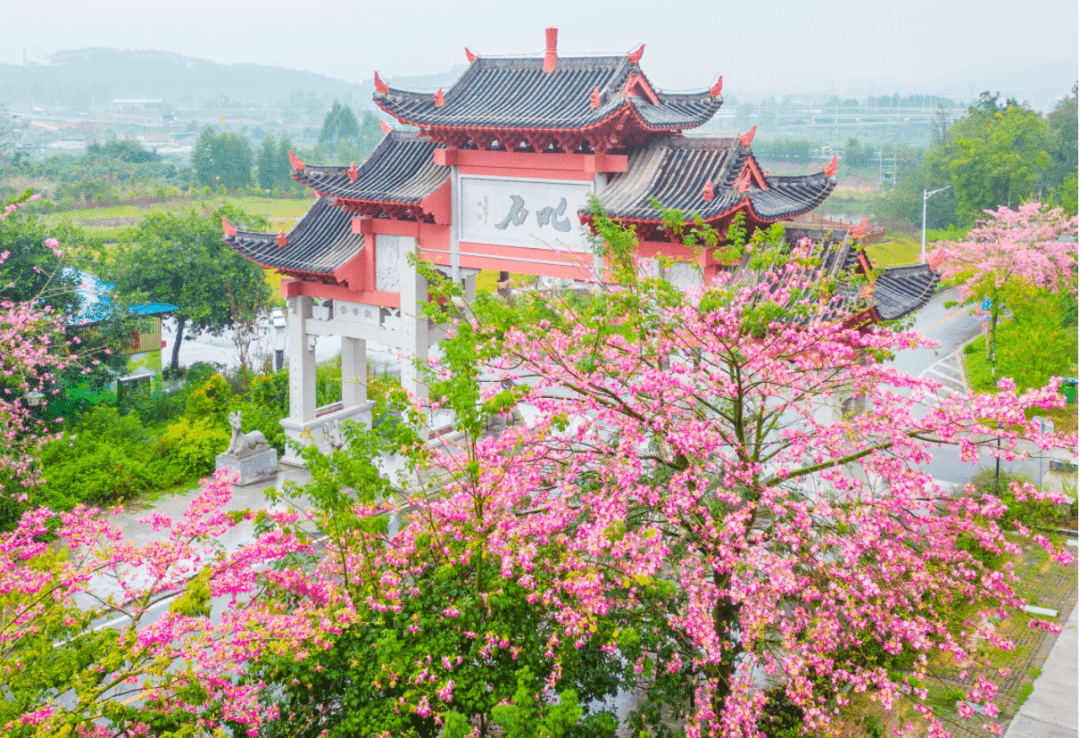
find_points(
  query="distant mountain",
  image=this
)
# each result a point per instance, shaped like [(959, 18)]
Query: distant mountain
[(94, 77)]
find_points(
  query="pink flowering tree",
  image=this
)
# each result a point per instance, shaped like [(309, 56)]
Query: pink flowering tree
[(33, 351), (103, 637), (1009, 253), (727, 488)]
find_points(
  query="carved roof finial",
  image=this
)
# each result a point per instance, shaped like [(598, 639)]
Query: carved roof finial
[(635, 56), (354, 174), (594, 98), (715, 89), (384, 126), (707, 191), (551, 53), (830, 168), (227, 227), (470, 56), (282, 241), (746, 138), (381, 87), (744, 183), (858, 231), (295, 161), (439, 99)]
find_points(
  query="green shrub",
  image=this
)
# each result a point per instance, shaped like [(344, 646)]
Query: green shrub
[(105, 460), (210, 401), (1030, 512), (187, 449), (271, 392)]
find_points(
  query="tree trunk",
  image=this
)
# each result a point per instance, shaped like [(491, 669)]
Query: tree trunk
[(175, 363)]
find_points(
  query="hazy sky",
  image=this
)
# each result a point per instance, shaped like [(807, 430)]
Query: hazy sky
[(754, 43)]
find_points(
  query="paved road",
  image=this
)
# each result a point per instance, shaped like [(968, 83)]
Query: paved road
[(952, 328)]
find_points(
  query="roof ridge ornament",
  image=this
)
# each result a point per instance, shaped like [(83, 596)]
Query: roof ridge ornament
[(744, 183), (470, 56), (384, 126), (227, 227), (354, 173), (439, 99), (746, 138), (295, 161), (830, 168), (282, 239), (707, 191), (635, 56), (714, 91), (594, 98), (551, 54), (381, 87), (858, 231)]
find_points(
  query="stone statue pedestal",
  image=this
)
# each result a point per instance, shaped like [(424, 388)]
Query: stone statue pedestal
[(260, 465)]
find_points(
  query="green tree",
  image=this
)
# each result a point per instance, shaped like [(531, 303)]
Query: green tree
[(997, 155), (182, 260), (222, 159), (29, 271), (266, 162), (1061, 175), (282, 167)]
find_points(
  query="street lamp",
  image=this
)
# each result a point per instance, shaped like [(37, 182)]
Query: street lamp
[(268, 204), (926, 196)]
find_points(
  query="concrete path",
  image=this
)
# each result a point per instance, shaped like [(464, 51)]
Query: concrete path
[(1051, 710)]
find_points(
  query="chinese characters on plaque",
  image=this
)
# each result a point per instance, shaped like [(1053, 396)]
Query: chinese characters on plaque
[(525, 213)]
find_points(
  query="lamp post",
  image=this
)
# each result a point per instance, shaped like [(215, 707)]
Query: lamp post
[(926, 196), (268, 204)]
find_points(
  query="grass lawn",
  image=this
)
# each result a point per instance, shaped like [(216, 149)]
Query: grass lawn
[(982, 379), (897, 249), (104, 218)]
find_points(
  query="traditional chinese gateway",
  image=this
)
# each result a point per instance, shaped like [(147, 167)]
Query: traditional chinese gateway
[(496, 173)]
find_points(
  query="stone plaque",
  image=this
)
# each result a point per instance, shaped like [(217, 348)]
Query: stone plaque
[(528, 213)]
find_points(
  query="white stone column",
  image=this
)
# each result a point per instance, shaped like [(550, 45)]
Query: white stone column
[(353, 371), (301, 361), (414, 325)]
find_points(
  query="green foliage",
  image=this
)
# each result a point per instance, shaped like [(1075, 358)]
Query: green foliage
[(210, 401), (29, 272), (1061, 174), (105, 460), (182, 260), (987, 481), (527, 717), (1037, 344), (186, 451), (997, 155), (343, 139), (222, 160)]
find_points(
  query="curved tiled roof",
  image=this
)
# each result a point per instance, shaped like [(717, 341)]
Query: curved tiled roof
[(899, 291), (675, 172), (402, 169), (321, 242), (791, 196), (501, 92)]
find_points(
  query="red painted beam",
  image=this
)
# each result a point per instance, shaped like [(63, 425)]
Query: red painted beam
[(296, 287), (590, 163)]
